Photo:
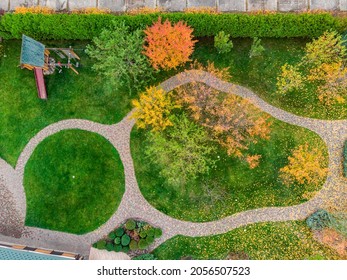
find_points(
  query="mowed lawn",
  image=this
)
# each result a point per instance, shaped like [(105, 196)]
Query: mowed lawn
[(263, 241), (74, 182), (84, 96), (233, 186)]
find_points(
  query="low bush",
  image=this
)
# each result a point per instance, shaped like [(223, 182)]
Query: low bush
[(101, 244), (143, 234), (117, 240), (110, 247), (119, 231), (131, 236), (319, 220), (112, 235), (125, 240), (149, 240), (158, 233), (125, 249), (142, 244), (118, 248), (88, 26), (150, 232), (130, 224), (145, 257), (133, 245)]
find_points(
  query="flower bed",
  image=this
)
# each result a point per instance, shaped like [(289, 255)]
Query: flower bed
[(133, 235)]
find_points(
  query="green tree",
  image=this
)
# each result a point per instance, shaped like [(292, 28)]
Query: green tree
[(182, 151), (256, 49), (119, 57), (222, 42)]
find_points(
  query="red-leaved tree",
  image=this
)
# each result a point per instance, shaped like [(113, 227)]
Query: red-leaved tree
[(168, 45)]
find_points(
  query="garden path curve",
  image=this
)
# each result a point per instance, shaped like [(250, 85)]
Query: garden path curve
[(134, 205)]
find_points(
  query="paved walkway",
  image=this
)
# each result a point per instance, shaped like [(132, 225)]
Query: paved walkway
[(133, 204)]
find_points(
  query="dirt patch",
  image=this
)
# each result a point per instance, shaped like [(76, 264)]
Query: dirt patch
[(333, 239)]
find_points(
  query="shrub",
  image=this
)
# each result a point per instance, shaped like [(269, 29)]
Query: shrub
[(149, 239), (142, 244), (150, 232), (140, 224), (125, 249), (130, 224), (117, 240), (118, 248), (33, 10), (144, 11), (133, 245), (91, 11), (112, 235), (222, 42), (168, 45), (256, 49), (125, 240), (143, 234), (101, 244), (319, 220), (63, 26), (145, 257), (109, 247), (201, 10), (119, 231), (158, 233)]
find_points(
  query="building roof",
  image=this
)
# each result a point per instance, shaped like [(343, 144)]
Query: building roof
[(14, 254), (33, 52)]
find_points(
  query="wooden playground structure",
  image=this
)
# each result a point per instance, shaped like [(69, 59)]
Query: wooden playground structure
[(36, 57)]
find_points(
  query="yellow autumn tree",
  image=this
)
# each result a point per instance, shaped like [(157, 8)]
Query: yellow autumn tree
[(290, 79), (153, 109), (306, 165), (332, 82), (322, 70)]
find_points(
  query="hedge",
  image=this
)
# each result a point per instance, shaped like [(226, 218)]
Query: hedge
[(82, 27)]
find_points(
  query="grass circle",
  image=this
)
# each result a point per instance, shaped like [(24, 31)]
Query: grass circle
[(74, 182)]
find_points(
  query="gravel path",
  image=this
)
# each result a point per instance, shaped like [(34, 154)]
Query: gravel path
[(133, 204)]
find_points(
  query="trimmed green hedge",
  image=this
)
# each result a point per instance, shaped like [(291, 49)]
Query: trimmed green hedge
[(80, 26)]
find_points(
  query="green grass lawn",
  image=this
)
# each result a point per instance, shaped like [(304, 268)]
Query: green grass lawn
[(87, 96), (260, 73), (263, 241), (238, 187), (83, 96), (74, 182)]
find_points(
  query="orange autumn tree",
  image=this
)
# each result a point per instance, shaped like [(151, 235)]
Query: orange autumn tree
[(233, 122), (168, 45), (306, 166), (153, 109)]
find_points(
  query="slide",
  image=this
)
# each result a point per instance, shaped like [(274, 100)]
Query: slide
[(40, 83)]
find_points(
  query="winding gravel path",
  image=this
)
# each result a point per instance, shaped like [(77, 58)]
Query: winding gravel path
[(133, 204)]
